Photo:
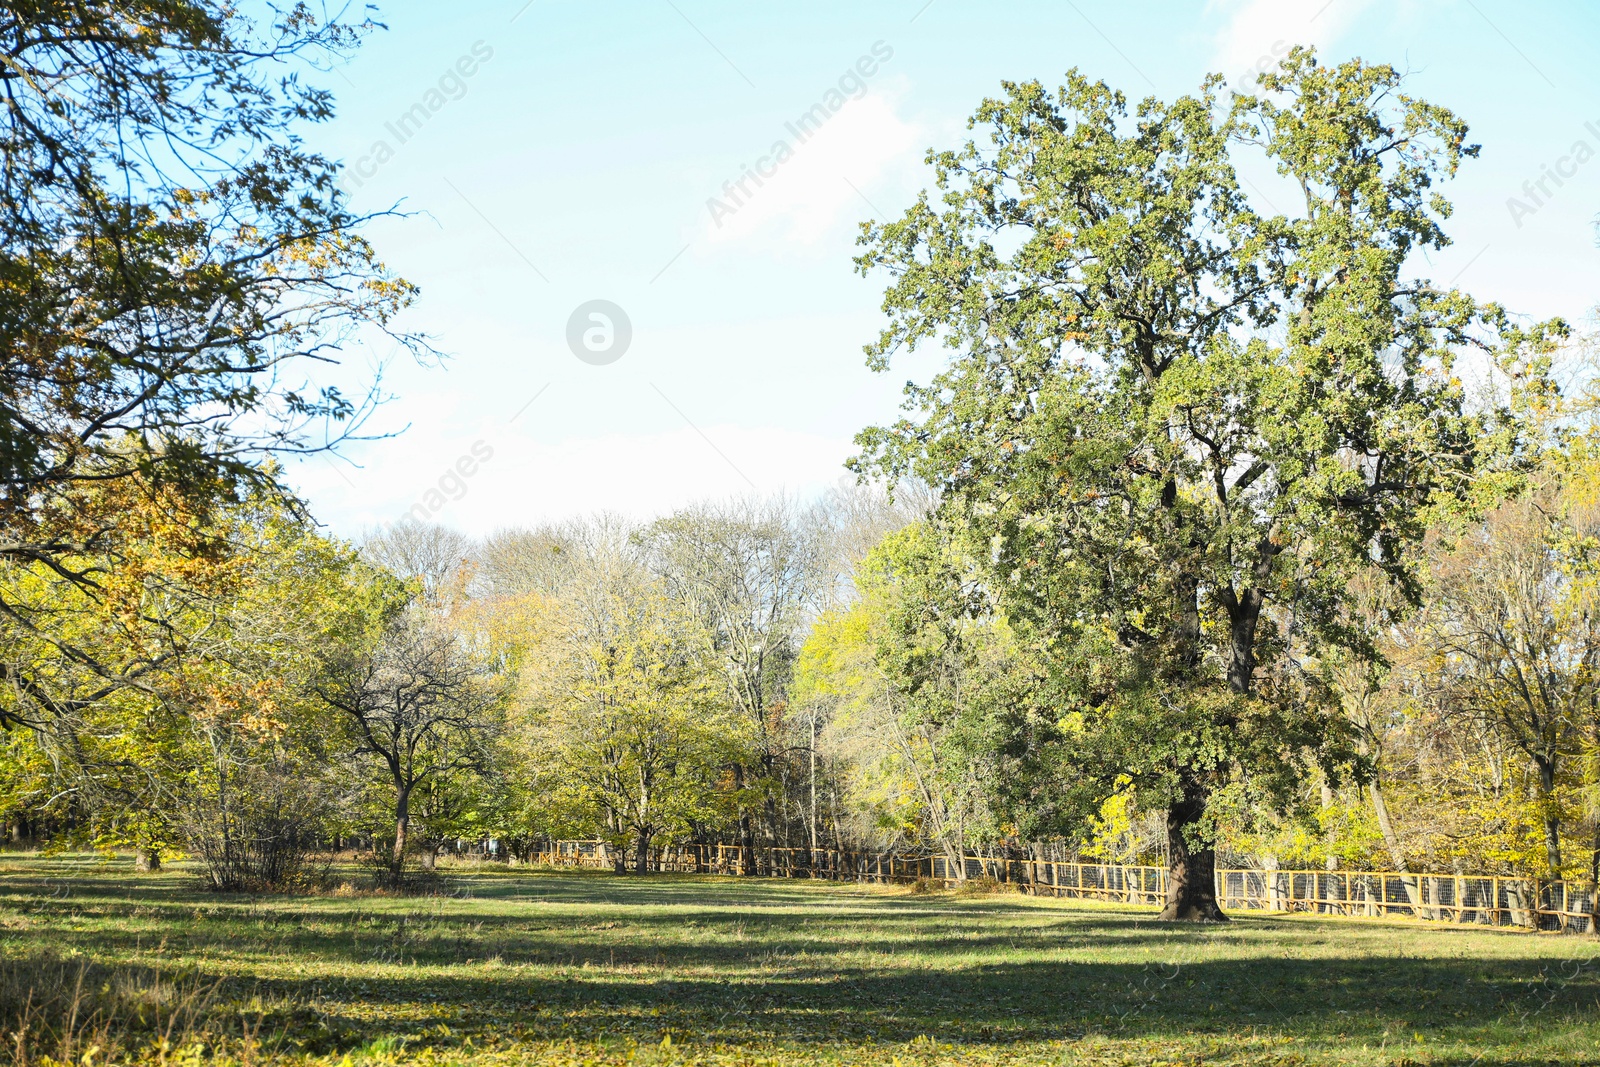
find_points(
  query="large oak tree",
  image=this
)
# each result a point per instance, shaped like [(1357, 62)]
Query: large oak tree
[(1177, 420)]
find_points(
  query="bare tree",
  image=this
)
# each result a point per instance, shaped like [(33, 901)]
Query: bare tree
[(421, 704), (518, 561), (426, 552), (1519, 639), (749, 571), (853, 517)]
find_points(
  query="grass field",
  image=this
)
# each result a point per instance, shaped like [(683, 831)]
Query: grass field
[(518, 966)]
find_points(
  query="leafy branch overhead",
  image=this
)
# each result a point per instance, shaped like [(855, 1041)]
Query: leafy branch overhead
[(177, 270), (174, 261)]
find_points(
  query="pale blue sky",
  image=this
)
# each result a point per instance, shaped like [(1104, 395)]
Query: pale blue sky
[(577, 160)]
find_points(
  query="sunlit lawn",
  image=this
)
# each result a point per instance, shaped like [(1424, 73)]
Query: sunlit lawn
[(559, 967)]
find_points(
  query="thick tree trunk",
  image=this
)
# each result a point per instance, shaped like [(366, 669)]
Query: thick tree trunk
[(1391, 840), (1192, 856), (1192, 869), (1552, 845), (1552, 823), (1594, 884), (747, 830), (1244, 613), (1330, 837), (641, 863), (402, 825), (147, 860)]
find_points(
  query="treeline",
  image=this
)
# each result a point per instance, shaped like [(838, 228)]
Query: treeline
[(650, 670), (761, 674), (593, 679), (1465, 738)]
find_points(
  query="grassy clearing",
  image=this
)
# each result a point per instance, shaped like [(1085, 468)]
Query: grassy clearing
[(561, 967)]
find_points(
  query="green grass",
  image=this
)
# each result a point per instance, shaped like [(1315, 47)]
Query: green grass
[(563, 967)]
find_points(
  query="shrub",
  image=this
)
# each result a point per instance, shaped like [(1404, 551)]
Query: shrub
[(985, 885), (262, 831)]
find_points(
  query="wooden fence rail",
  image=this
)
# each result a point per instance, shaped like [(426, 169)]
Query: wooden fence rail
[(1454, 898)]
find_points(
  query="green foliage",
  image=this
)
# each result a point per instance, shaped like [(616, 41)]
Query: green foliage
[(909, 676), (628, 715), (171, 252), (220, 748), (1175, 428)]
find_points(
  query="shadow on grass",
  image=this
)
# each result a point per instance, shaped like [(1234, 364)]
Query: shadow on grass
[(1323, 1002), (740, 962)]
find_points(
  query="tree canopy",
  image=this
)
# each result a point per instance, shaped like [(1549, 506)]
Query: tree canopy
[(1175, 427)]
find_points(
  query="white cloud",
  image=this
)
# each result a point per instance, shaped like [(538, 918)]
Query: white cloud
[(815, 187), (1260, 32), (525, 482)]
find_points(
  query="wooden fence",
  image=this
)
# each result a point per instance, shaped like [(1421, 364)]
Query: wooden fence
[(1454, 898)]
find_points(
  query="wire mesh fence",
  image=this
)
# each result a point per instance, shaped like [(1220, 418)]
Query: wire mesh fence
[(1457, 898), (1486, 900)]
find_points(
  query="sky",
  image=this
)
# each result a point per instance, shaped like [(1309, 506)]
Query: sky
[(628, 331)]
